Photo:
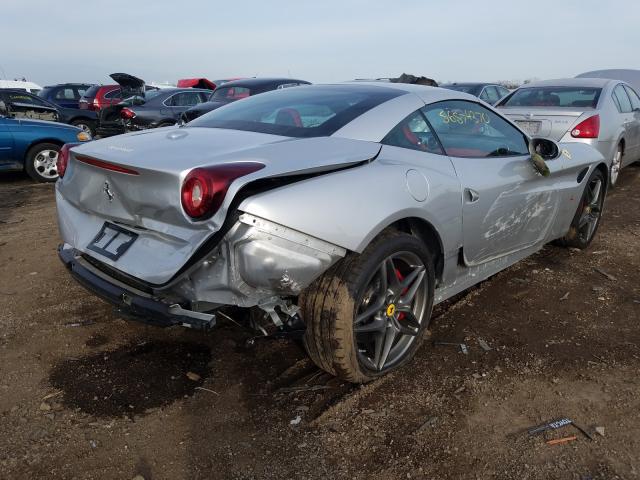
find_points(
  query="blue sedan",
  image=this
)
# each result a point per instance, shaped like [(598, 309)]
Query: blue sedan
[(33, 145)]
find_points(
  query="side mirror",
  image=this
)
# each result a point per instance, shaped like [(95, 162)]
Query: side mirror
[(547, 149)]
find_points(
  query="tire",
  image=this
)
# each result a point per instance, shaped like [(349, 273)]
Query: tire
[(85, 125), (616, 166), (580, 233), (337, 341), (40, 162)]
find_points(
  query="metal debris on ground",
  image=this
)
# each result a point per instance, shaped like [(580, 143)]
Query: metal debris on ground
[(556, 424), (564, 297), (484, 345), (606, 274), (207, 390), (600, 431), (429, 422), (296, 420), (84, 323), (194, 377), (302, 388), (463, 347), (559, 441)]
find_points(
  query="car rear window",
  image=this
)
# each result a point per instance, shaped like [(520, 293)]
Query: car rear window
[(567, 97), (471, 89), (298, 112), (230, 93)]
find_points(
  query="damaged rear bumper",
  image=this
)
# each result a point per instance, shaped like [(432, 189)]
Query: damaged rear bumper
[(257, 263), (130, 302)]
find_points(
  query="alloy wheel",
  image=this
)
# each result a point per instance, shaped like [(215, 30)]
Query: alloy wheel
[(591, 209), (616, 166), (44, 163), (390, 313)]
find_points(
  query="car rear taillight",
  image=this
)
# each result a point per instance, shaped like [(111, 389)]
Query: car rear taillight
[(95, 105), (589, 128), (63, 158), (204, 189), (127, 114)]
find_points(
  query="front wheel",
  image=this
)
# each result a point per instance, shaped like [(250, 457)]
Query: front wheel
[(587, 218), (40, 162), (367, 314)]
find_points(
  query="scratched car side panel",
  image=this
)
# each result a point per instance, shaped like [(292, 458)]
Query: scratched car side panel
[(376, 195)]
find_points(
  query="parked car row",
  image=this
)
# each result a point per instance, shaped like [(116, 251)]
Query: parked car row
[(600, 112)]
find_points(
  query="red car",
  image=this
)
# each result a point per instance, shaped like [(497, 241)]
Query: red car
[(100, 96)]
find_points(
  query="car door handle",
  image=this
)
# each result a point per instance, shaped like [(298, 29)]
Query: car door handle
[(471, 195)]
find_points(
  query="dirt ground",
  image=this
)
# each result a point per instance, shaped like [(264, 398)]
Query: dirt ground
[(87, 395)]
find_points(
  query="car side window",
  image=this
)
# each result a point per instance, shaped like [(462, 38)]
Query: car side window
[(414, 133), (467, 129), (492, 94), (633, 96), (503, 92), (623, 103), (185, 99)]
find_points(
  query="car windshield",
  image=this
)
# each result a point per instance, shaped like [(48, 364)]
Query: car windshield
[(298, 112), (471, 89), (92, 91), (226, 94), (45, 92), (567, 97)]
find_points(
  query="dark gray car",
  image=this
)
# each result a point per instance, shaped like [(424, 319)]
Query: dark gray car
[(237, 90), (158, 108)]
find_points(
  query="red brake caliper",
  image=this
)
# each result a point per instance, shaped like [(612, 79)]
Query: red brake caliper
[(400, 277)]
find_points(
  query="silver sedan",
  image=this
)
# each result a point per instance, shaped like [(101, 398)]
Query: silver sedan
[(341, 213), (600, 112)]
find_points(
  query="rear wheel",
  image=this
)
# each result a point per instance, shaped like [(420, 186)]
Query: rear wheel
[(587, 218), (616, 166), (366, 315), (40, 162)]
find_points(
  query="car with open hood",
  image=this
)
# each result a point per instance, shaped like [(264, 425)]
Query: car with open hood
[(21, 104), (340, 213), (600, 112), (33, 146), (234, 90), (142, 108)]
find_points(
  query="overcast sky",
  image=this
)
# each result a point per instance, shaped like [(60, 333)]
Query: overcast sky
[(315, 40)]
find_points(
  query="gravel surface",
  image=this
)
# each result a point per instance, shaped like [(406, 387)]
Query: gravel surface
[(87, 395)]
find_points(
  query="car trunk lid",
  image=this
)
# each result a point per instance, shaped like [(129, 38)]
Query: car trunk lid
[(548, 122)]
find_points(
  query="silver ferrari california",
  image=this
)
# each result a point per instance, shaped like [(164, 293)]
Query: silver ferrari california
[(342, 212)]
